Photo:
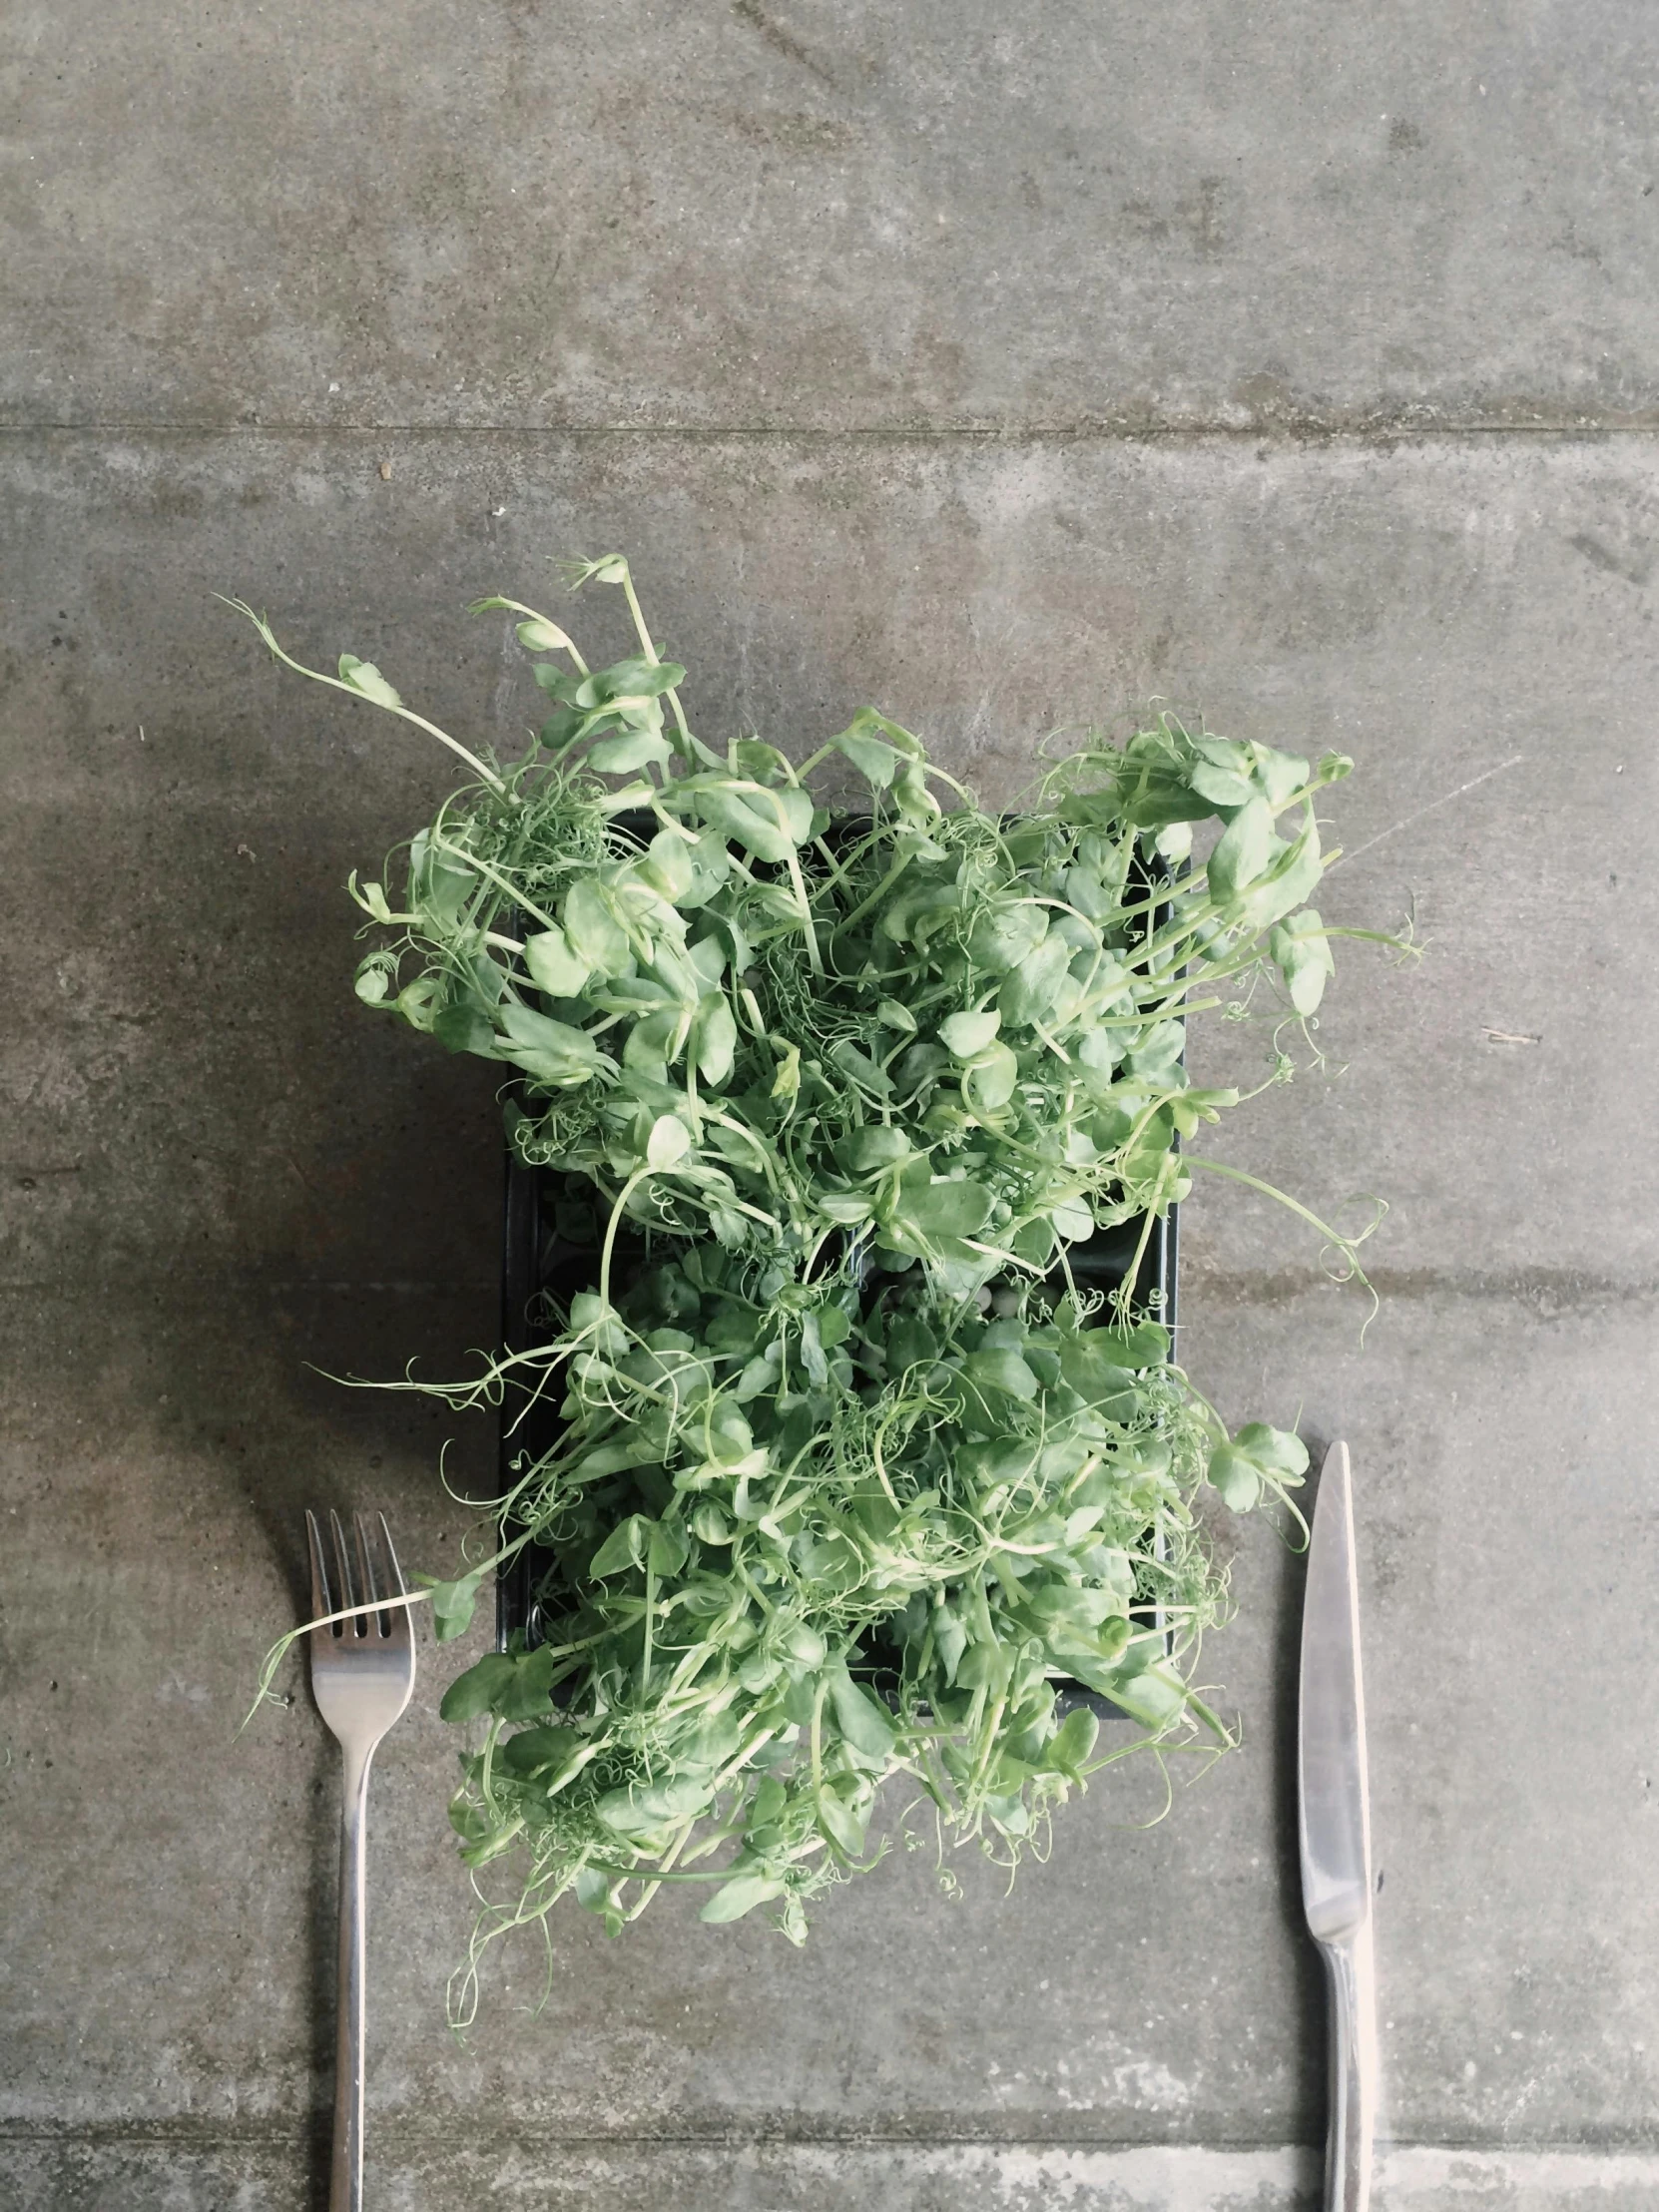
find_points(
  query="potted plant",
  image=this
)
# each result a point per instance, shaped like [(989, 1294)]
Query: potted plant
[(853, 1468)]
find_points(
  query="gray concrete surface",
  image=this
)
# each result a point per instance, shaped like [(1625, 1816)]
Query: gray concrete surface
[(837, 214), (730, 289)]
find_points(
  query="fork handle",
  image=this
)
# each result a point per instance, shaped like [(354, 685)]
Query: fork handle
[(346, 2174)]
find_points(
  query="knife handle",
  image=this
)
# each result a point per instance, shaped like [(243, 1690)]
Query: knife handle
[(1350, 1978)]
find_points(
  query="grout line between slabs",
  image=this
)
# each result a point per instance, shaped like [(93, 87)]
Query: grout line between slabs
[(188, 2134), (1311, 431)]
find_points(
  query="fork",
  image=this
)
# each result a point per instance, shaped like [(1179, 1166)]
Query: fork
[(363, 1671)]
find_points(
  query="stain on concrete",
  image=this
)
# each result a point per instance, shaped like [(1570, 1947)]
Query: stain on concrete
[(1635, 566), (781, 40)]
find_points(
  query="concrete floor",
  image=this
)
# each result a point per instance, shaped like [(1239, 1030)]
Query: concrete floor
[(1004, 374)]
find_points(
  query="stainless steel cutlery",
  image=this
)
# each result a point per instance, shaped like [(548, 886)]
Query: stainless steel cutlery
[(1334, 1831), (363, 1671)]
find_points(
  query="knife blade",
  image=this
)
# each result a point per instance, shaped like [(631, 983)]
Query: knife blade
[(1334, 1822)]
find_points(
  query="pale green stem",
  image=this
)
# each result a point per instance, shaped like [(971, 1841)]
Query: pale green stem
[(337, 683), (501, 882), (1237, 1175), (893, 874), (628, 1189)]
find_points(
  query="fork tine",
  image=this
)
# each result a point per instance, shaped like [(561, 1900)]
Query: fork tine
[(399, 1589), (342, 1565), (320, 1570), (376, 1584), (401, 1629), (368, 1588)]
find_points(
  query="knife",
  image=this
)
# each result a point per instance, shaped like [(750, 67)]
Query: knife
[(1334, 1820)]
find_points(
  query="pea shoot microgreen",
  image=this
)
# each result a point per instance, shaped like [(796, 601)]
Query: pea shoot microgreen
[(851, 1470)]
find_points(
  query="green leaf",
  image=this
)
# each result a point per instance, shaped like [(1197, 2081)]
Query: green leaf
[(1034, 1241), (865, 1722), (1302, 954), (1281, 775), (364, 677), (554, 967), (1100, 1050), (1092, 1368), (871, 1149), (989, 1083), (985, 1666), (375, 977), (741, 1896), (464, 1028), (833, 1326), (560, 729), (476, 1690), (711, 867), (715, 1039), (1003, 1370), (668, 1143), (786, 1082), (631, 679), (538, 1751), (633, 749), (1153, 1694), (1295, 871), (668, 1549), (947, 1208), (1258, 1459), (645, 1807), (1156, 1056), (592, 929), (610, 568), (550, 1051), (654, 1042), (874, 760), (527, 1696), (966, 1034), (1088, 893), (1072, 1744), (1242, 853), (844, 1054), (1073, 1220), (1144, 1346), (373, 899), (667, 864), (590, 1316), (1223, 787), (843, 1825), (1005, 933), (623, 1549), (453, 1602), (891, 1015), (848, 1208), (915, 802), (1235, 1474), (770, 825), (560, 685), (538, 635), (710, 1525), (1029, 993)]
